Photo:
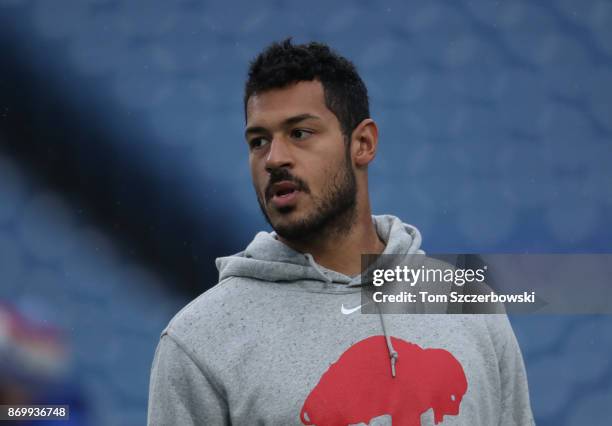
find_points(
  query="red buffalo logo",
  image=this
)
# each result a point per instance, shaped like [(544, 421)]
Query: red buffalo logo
[(359, 386)]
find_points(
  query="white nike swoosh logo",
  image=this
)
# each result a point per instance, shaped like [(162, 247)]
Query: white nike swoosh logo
[(348, 311)]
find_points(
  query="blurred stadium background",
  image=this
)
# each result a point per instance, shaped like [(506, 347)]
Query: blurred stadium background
[(123, 170)]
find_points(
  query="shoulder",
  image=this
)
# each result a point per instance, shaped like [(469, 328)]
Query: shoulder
[(208, 309), (500, 330)]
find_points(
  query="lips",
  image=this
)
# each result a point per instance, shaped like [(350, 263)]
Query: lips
[(283, 188), (284, 194)]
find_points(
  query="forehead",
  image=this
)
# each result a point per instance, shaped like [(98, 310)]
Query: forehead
[(276, 104)]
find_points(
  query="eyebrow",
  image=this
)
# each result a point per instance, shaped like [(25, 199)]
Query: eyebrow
[(286, 123)]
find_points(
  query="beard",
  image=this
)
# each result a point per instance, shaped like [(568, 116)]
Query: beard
[(333, 213)]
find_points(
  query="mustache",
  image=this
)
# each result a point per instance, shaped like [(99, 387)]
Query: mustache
[(280, 175)]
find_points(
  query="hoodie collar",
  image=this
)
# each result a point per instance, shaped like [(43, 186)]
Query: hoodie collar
[(268, 259)]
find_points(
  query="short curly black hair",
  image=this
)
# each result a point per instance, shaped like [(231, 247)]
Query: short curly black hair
[(283, 63)]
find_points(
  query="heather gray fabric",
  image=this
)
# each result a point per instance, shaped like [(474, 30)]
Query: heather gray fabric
[(268, 342)]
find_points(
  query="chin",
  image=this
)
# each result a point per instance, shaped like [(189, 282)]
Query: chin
[(287, 224), (285, 220), (284, 214)]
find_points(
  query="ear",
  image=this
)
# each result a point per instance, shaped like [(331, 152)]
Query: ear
[(364, 142)]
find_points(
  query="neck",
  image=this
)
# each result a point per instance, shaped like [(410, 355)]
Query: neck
[(341, 251)]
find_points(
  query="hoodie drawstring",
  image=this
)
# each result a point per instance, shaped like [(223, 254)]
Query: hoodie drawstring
[(393, 355)]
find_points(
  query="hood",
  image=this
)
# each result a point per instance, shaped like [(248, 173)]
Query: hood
[(268, 259)]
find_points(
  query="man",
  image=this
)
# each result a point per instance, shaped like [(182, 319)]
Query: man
[(279, 340)]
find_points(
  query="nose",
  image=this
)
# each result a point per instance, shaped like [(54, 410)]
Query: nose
[(279, 155)]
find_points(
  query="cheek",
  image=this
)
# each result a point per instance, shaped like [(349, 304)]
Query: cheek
[(320, 178), (258, 182), (255, 179), (328, 170), (254, 169)]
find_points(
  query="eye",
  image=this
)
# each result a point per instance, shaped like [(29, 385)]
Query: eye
[(453, 398), (258, 142), (300, 134)]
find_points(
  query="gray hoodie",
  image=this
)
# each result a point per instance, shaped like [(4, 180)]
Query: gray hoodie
[(280, 341)]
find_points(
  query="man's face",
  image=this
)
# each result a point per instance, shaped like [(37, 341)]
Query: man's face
[(299, 161)]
